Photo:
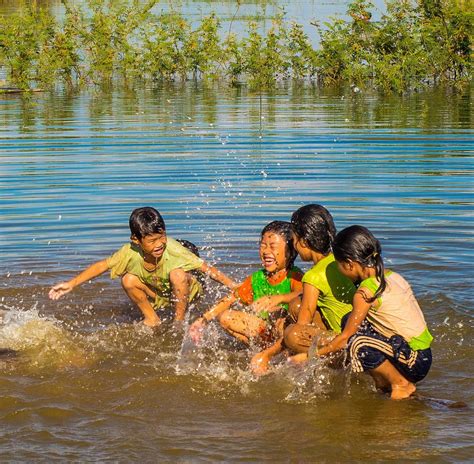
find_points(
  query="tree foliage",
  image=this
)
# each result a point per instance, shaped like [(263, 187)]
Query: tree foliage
[(411, 45)]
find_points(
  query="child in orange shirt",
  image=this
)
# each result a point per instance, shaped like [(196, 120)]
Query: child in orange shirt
[(267, 293)]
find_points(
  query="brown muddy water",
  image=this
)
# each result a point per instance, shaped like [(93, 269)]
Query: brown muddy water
[(82, 380)]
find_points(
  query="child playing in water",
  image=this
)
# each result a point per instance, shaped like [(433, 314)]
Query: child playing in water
[(153, 267), (386, 333), (267, 292), (327, 294)]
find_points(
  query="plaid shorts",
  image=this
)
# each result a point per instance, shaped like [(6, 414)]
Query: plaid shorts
[(368, 349)]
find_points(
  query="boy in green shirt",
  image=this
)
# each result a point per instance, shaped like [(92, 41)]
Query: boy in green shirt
[(153, 267)]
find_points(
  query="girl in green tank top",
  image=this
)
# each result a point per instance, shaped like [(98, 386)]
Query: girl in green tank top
[(266, 296)]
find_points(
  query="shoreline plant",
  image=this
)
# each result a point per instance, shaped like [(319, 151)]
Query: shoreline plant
[(414, 44)]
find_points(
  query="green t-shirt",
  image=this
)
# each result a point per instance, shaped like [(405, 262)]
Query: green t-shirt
[(335, 291), (129, 260)]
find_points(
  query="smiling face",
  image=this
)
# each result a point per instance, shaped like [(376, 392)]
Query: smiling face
[(273, 252), (153, 245)]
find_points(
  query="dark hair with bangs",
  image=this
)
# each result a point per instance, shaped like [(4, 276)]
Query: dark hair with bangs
[(315, 225), (146, 221), (356, 243), (283, 229)]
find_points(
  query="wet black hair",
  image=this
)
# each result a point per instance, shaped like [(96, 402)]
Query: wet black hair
[(315, 225), (356, 243), (189, 245), (283, 229), (146, 221), (195, 272)]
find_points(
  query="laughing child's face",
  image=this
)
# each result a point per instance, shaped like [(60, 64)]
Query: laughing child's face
[(273, 252), (153, 245)]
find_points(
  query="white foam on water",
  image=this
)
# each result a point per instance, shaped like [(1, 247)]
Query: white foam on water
[(39, 340)]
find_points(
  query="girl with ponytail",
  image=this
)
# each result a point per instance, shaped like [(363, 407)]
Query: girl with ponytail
[(386, 333)]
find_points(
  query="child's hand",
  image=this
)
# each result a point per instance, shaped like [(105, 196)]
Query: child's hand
[(267, 303), (59, 290), (196, 329), (259, 364)]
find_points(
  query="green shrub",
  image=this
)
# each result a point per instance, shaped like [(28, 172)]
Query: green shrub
[(413, 44)]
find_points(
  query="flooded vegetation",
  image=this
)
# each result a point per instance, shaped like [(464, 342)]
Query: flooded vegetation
[(81, 379), (410, 46)]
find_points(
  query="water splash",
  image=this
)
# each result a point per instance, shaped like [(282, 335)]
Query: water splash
[(315, 380), (39, 341), (218, 359)]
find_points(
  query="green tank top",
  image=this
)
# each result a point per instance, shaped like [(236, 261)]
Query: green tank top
[(261, 287)]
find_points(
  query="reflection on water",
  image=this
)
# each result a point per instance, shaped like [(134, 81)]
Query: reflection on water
[(83, 380)]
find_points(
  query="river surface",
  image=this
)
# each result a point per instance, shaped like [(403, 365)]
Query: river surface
[(86, 382), (82, 380)]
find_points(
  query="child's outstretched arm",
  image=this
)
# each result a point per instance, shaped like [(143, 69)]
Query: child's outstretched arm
[(218, 276), (359, 312), (196, 327), (92, 271)]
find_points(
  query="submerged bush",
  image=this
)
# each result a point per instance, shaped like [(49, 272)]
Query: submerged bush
[(413, 44), (25, 46)]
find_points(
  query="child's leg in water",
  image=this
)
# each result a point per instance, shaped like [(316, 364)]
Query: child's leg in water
[(181, 283), (242, 326), (140, 294), (381, 382), (391, 362), (388, 375), (298, 339)]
